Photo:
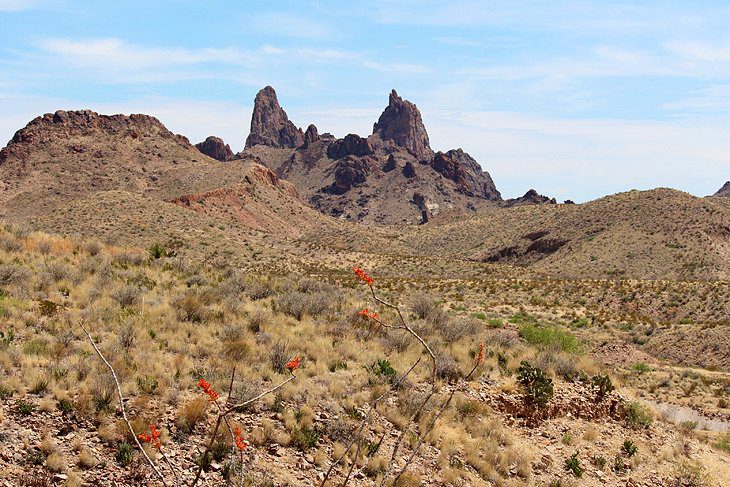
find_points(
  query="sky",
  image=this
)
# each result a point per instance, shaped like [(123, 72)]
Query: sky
[(577, 99)]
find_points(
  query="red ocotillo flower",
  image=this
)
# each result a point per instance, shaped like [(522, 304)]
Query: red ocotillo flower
[(153, 438), (480, 354), (366, 313), (362, 276), (207, 389), (238, 437), (293, 364)]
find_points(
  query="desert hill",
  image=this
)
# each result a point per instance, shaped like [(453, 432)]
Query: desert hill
[(655, 234)]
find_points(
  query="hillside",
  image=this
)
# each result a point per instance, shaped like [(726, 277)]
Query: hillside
[(657, 234)]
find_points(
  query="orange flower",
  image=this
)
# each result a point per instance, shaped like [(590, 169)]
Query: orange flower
[(366, 313), (238, 437), (153, 439), (205, 385), (480, 354), (362, 276), (293, 364)]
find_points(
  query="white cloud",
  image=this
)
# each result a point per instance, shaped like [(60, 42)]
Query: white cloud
[(17, 5), (118, 54)]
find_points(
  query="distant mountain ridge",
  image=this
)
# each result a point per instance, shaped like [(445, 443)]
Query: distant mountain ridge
[(391, 176)]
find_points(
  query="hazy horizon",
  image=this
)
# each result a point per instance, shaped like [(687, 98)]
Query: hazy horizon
[(577, 101)]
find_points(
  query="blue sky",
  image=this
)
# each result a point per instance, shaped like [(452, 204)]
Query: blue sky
[(577, 99)]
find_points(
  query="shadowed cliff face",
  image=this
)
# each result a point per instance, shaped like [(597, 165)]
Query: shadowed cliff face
[(270, 125)]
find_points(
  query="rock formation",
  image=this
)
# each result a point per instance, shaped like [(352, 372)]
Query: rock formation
[(270, 125), (311, 135), (532, 197), (461, 168), (401, 123), (351, 145), (370, 179), (215, 147)]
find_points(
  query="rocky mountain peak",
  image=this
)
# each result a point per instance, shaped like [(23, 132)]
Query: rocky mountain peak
[(724, 191), (270, 124), (401, 123), (215, 147)]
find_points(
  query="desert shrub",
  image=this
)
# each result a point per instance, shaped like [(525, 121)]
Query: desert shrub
[(305, 438), (723, 442), (191, 414), (641, 368), (127, 335), (127, 259), (254, 287), (602, 385), (10, 245), (382, 368), (447, 368), (550, 337), (190, 307), (298, 304), (258, 319), (125, 454), (58, 271), (690, 474), (538, 387), (279, 355), (454, 330), (93, 247), (423, 305), (157, 251), (637, 415), (573, 464), (501, 338), (13, 274), (126, 296), (630, 448)]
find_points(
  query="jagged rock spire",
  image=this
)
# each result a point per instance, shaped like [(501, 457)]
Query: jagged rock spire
[(401, 122), (270, 125)]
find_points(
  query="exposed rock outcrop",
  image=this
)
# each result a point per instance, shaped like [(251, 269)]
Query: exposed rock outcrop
[(401, 122), (409, 170), (389, 164), (351, 145), (215, 147), (461, 168), (350, 171), (532, 197), (724, 191), (270, 124), (311, 135)]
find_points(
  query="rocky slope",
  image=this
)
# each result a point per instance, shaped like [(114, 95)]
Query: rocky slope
[(391, 176)]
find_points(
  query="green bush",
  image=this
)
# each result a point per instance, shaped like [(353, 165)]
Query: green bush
[(602, 385), (630, 448), (637, 415), (573, 464), (550, 337), (538, 386), (125, 454)]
